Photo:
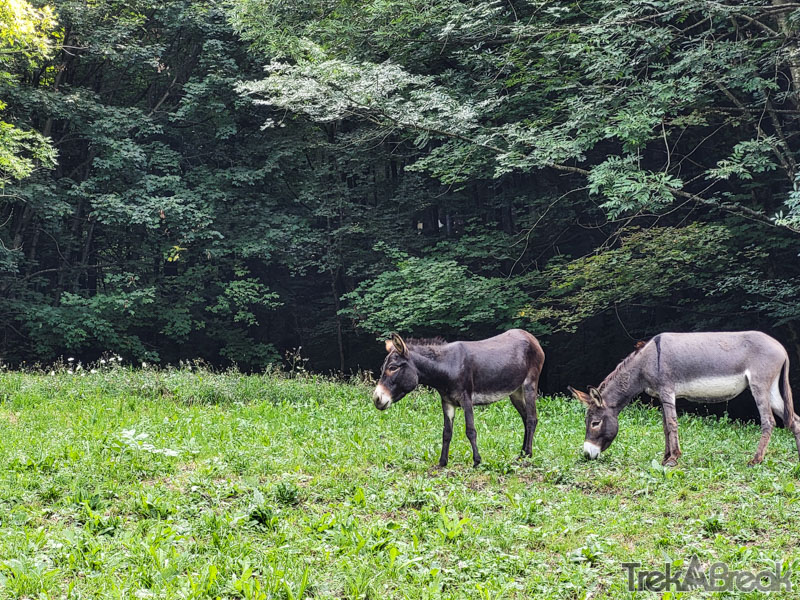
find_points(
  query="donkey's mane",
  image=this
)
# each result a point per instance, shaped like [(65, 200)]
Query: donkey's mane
[(624, 363), (434, 341), (428, 347)]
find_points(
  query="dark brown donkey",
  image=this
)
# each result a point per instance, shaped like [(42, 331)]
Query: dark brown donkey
[(702, 367), (466, 374)]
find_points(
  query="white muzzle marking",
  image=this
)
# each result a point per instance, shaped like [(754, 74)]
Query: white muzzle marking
[(381, 397), (591, 450)]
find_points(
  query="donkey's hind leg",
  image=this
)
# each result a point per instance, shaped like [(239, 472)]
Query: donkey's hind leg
[(518, 400), (530, 389), (524, 400), (761, 393), (776, 402), (795, 429)]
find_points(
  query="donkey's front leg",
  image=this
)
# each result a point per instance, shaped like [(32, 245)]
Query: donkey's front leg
[(447, 433), (672, 447), (532, 417), (472, 435)]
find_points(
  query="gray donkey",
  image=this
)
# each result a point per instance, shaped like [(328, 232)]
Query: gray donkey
[(466, 374), (702, 367)]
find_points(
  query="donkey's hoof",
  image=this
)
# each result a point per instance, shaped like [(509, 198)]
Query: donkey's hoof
[(476, 464), (754, 461), (670, 461)]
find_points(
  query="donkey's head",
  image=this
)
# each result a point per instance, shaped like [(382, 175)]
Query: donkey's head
[(601, 422), (398, 375)]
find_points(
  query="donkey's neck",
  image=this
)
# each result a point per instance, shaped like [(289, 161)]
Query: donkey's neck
[(624, 383), (430, 369)]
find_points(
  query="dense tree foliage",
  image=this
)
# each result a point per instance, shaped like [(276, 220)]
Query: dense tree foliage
[(24, 40), (233, 185), (141, 240)]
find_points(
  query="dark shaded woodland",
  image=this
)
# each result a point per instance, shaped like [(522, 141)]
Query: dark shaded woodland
[(183, 182)]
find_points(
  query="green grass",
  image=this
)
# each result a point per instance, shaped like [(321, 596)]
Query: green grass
[(186, 484)]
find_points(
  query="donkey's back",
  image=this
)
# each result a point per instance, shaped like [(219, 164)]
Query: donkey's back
[(499, 365), (712, 366), (721, 352)]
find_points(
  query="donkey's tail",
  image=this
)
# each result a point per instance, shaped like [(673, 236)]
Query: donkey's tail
[(786, 392)]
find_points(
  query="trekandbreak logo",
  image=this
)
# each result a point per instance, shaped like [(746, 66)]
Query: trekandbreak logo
[(717, 578)]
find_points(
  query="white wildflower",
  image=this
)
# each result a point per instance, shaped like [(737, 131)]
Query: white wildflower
[(138, 441), (70, 359)]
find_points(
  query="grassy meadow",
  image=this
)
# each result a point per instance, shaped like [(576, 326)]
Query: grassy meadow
[(192, 484)]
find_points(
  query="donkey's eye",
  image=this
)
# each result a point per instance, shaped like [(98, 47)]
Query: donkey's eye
[(391, 371), (596, 424)]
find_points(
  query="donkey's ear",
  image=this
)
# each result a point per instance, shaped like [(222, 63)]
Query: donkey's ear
[(594, 394), (399, 344), (582, 396), (389, 346)]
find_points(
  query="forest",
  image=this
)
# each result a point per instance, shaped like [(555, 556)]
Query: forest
[(259, 181)]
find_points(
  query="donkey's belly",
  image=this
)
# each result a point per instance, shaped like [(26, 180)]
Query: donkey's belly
[(711, 389), (479, 398)]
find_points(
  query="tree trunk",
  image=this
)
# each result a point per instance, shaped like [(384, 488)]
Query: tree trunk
[(22, 227), (794, 52), (337, 306), (32, 250)]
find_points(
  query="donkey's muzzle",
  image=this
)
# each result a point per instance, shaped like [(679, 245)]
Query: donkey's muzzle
[(381, 398), (590, 450)]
